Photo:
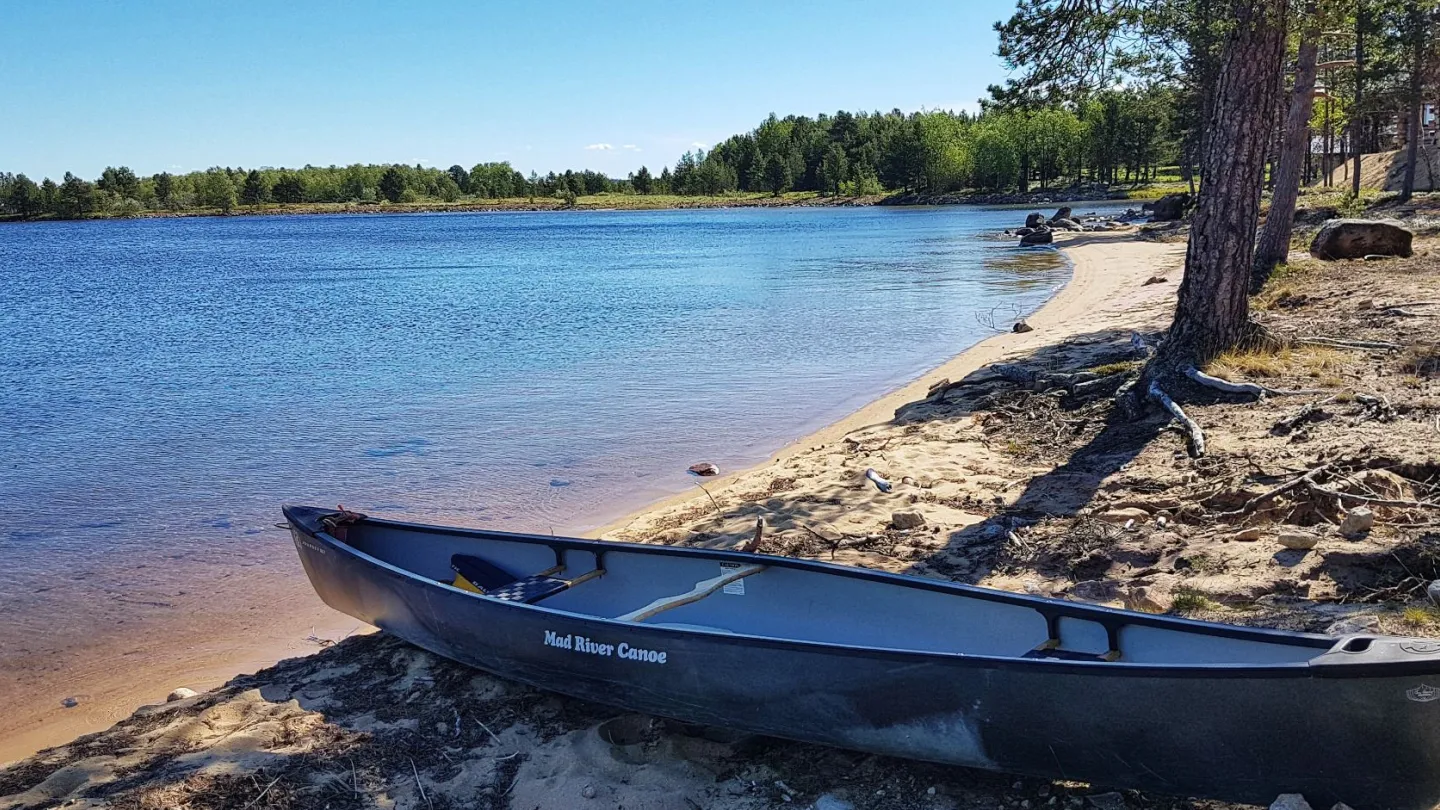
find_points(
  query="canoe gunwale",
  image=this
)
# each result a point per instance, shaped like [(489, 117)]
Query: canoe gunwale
[(1095, 613)]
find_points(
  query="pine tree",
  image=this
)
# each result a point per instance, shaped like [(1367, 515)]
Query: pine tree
[(392, 185), (254, 191), (777, 175)]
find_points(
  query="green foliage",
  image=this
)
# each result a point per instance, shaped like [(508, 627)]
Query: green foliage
[(392, 185), (254, 192), (777, 175)]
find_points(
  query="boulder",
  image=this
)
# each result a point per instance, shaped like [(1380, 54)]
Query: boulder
[(180, 694), (1024, 231), (1021, 326), (1066, 225), (1035, 220), (1170, 207), (908, 519), (1065, 212), (1042, 237), (1358, 238), (1433, 592), (1357, 523)]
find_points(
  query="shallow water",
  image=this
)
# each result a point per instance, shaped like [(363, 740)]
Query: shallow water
[(166, 384)]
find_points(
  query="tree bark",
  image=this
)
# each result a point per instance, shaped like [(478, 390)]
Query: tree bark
[(1274, 244), (1355, 114), (1213, 311), (1412, 141)]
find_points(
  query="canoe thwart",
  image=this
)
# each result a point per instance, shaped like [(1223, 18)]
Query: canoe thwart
[(701, 590)]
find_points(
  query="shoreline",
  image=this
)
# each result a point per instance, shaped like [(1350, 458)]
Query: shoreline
[(1102, 267), (632, 202), (1076, 306)]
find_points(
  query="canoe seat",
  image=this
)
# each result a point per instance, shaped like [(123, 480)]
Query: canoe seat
[(481, 576), (1067, 655)]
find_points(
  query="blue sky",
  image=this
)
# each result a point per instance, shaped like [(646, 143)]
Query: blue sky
[(180, 86)]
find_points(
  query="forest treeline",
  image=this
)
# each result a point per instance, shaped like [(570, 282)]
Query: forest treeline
[(1118, 136)]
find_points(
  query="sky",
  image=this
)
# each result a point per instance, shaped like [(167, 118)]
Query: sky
[(547, 85)]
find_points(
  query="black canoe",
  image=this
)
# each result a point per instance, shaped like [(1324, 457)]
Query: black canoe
[(903, 666)]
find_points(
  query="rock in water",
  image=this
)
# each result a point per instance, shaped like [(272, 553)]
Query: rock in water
[(1043, 237), (1357, 523), (1297, 541), (704, 469), (1066, 225), (909, 519), (1021, 326), (1065, 212), (1290, 801), (1358, 238), (1170, 207), (180, 694), (1035, 220)]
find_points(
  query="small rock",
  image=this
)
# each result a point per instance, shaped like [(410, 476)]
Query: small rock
[(704, 469), (1249, 535), (1021, 327), (180, 694), (930, 791), (1297, 541), (735, 787), (1353, 625), (1341, 806), (1107, 801), (588, 791), (878, 480), (1290, 801), (1155, 280), (1122, 516), (1357, 523), (829, 801), (69, 703), (559, 482), (909, 519)]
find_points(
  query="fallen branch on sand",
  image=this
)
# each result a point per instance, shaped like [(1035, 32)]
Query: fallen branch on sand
[(1346, 496), (1286, 424), (1192, 428), (1255, 502)]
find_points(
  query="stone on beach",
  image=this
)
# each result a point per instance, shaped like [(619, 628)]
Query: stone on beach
[(180, 694), (1022, 326), (1357, 523), (908, 519), (704, 469), (1297, 541)]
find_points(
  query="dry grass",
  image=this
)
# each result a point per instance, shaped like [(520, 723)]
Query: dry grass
[(1421, 617), (1317, 362), (1122, 367)]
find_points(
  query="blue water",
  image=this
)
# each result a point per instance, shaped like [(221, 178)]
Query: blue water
[(166, 384)]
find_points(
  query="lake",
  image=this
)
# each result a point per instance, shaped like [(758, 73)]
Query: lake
[(168, 383)]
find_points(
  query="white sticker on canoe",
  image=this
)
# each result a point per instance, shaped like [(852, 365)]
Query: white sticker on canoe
[(1423, 694), (589, 646), (736, 588)]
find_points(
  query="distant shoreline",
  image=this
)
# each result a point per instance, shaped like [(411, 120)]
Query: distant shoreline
[(638, 202)]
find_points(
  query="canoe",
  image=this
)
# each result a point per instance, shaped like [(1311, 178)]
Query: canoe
[(903, 666)]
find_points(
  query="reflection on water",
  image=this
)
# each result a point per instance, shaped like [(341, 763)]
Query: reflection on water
[(169, 383)]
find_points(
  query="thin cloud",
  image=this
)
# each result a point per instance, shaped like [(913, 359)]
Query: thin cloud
[(697, 144), (631, 147), (599, 146)]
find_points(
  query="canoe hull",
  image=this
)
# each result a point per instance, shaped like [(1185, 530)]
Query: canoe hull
[(1240, 735)]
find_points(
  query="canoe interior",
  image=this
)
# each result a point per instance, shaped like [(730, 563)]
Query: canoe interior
[(820, 605)]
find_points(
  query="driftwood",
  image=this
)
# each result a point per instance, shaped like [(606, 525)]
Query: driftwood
[(1302, 480)]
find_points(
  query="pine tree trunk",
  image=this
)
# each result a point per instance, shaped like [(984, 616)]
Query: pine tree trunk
[(1412, 145), (1274, 244), (1213, 311), (1357, 110)]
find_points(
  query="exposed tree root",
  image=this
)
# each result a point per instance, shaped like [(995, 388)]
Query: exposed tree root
[(1286, 424), (1346, 496), (1252, 389), (1192, 428), (1302, 480)]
